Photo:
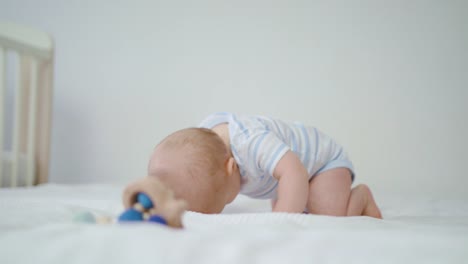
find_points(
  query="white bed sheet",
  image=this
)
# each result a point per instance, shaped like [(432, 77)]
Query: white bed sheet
[(37, 226)]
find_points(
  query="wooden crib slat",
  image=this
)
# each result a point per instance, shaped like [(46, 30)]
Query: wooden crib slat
[(17, 124), (43, 123), (2, 106), (30, 171), (30, 127)]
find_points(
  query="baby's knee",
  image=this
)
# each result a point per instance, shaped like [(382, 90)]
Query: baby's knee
[(363, 191), (362, 188)]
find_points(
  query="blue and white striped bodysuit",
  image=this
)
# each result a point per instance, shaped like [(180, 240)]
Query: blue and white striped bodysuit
[(258, 143)]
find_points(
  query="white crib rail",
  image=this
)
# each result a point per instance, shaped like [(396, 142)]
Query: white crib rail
[(2, 106), (32, 105)]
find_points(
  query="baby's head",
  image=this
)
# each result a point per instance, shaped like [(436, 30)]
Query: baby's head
[(196, 164)]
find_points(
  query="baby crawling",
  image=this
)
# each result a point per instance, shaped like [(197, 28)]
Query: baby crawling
[(298, 167)]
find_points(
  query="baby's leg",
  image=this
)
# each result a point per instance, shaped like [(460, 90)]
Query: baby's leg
[(362, 202), (330, 194)]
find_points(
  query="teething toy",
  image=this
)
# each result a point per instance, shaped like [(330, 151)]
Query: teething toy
[(150, 200), (88, 217), (140, 211)]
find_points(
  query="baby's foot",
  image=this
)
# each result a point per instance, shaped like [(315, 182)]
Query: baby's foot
[(371, 208)]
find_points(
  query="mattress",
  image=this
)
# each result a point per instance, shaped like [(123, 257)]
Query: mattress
[(39, 225)]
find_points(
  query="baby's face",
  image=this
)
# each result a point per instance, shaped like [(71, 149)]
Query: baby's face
[(171, 167)]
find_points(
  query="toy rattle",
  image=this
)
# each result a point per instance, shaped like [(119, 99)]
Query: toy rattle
[(146, 200), (150, 200), (141, 211)]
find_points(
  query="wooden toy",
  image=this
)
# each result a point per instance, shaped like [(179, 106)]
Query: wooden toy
[(140, 211), (149, 200)]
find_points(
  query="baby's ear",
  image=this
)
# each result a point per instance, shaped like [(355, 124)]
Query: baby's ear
[(230, 166)]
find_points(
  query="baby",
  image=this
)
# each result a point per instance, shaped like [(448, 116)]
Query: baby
[(298, 167)]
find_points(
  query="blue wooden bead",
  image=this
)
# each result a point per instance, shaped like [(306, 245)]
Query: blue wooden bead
[(131, 215), (144, 200), (157, 219)]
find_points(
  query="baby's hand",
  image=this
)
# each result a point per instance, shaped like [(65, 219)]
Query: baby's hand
[(164, 202)]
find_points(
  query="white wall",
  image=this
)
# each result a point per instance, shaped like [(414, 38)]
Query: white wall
[(388, 79)]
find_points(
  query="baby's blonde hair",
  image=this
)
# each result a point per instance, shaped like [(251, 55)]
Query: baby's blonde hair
[(204, 145)]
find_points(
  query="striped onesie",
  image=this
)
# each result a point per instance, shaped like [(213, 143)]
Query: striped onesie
[(258, 143)]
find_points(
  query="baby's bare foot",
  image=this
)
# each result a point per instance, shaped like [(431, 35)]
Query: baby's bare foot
[(371, 208)]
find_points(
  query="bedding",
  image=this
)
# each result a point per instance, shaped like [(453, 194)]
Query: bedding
[(39, 225)]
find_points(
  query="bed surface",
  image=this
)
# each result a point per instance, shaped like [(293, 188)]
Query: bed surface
[(37, 226)]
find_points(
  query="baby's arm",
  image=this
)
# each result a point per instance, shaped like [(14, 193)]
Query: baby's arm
[(293, 187)]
